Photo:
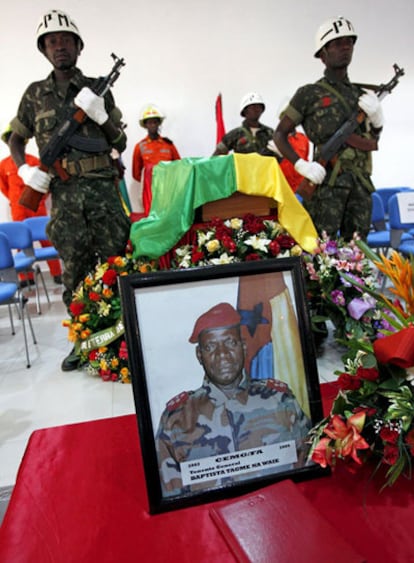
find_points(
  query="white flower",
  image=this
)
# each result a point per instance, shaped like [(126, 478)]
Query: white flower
[(258, 243), (104, 309), (223, 259), (183, 250), (202, 237)]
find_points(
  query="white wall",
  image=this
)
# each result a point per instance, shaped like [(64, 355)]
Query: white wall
[(181, 54)]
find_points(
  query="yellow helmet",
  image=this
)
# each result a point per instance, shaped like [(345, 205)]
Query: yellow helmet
[(54, 21), (150, 112)]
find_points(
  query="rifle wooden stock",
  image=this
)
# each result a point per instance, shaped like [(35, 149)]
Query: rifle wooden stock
[(31, 198), (306, 189)]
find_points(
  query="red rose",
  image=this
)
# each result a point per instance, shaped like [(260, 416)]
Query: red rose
[(111, 260), (105, 374), (348, 382), (123, 350), (229, 244), (114, 376), (76, 308), (196, 256), (109, 277), (391, 454), (274, 248), (93, 296), (253, 224), (389, 435), (285, 241), (253, 256), (93, 355), (371, 374)]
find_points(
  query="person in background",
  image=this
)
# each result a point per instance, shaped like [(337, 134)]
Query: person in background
[(341, 203), (88, 223), (150, 151), (251, 136), (11, 186)]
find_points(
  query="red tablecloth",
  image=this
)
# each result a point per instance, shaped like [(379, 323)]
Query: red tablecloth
[(80, 497)]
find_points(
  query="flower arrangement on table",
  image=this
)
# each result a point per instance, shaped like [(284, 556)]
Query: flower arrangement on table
[(372, 417), (330, 273), (95, 325), (236, 240)]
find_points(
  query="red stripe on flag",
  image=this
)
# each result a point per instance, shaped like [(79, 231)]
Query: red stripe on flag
[(219, 120)]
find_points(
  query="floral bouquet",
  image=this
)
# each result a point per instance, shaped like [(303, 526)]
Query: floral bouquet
[(236, 240), (372, 415), (330, 275), (96, 325)]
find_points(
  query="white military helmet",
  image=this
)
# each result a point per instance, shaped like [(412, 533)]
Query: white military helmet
[(149, 112), (53, 21), (249, 99), (333, 29)]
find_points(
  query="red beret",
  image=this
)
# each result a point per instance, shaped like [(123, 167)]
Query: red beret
[(219, 316)]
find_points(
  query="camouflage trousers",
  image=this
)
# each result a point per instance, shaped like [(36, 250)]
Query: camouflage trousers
[(342, 209), (88, 224)]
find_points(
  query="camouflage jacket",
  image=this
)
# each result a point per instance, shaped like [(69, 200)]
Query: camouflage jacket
[(205, 423), (45, 105), (321, 113), (242, 140)]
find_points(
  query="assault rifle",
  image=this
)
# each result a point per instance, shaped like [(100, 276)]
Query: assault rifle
[(50, 154), (345, 134)]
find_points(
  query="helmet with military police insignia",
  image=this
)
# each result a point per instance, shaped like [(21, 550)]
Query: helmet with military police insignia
[(333, 29), (249, 99), (55, 21)]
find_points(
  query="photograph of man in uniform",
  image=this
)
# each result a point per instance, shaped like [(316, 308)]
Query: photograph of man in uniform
[(238, 427)]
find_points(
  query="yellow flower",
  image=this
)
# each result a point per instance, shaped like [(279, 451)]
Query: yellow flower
[(102, 349), (124, 373), (212, 245), (236, 223), (119, 261), (103, 364), (114, 363), (100, 270), (85, 333), (88, 281), (84, 318), (66, 323), (107, 292), (296, 250)]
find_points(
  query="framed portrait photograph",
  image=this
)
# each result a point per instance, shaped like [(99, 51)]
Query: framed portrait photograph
[(224, 378)]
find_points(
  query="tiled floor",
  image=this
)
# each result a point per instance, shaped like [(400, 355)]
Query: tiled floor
[(44, 396)]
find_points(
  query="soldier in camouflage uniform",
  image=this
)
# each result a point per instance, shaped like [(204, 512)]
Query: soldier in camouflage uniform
[(88, 223), (341, 204), (229, 412), (252, 136)]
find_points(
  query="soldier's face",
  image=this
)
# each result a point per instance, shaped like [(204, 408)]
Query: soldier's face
[(61, 49), (338, 53), (221, 352)]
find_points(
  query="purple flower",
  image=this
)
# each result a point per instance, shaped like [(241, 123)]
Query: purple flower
[(331, 247), (357, 307), (338, 297)]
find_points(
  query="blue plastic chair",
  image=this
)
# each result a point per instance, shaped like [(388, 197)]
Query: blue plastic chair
[(386, 194), (380, 236), (37, 226), (20, 240), (401, 239), (10, 293)]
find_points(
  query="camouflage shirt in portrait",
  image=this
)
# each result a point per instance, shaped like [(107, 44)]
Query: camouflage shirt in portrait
[(242, 140), (205, 422)]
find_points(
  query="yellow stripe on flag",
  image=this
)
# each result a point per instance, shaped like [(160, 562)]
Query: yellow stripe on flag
[(262, 176)]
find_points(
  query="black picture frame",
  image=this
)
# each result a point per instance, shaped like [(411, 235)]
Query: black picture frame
[(159, 313)]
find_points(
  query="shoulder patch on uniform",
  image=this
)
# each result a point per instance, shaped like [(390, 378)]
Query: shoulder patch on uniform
[(167, 140), (277, 385), (177, 401)]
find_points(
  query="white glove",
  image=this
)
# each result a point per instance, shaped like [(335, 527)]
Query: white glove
[(35, 178), (92, 105), (371, 105), (271, 145), (313, 171)]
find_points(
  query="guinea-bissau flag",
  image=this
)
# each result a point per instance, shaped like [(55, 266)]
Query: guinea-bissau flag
[(181, 186), (221, 130)]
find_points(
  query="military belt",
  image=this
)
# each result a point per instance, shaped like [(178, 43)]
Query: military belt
[(86, 165)]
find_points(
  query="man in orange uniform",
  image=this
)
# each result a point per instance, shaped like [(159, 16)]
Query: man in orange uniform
[(11, 185), (150, 151)]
